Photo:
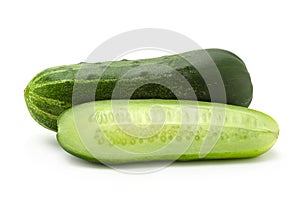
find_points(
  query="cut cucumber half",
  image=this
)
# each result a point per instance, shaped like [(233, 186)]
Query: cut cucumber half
[(121, 131)]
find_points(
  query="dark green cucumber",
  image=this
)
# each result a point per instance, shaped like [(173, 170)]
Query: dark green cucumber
[(50, 92), (102, 131)]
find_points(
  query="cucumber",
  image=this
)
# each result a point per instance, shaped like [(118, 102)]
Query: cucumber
[(155, 129), (50, 92)]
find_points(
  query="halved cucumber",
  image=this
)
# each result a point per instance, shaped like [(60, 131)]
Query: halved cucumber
[(120, 131)]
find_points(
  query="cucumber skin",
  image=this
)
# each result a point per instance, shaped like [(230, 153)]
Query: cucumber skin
[(265, 136), (49, 93)]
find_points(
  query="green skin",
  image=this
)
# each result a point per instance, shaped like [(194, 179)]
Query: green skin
[(50, 92), (92, 132)]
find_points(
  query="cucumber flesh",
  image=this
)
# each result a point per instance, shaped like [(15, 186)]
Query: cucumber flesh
[(105, 131)]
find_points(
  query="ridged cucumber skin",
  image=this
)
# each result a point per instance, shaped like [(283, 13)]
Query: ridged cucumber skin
[(49, 93), (246, 133)]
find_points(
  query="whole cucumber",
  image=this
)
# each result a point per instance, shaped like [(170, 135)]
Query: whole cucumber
[(51, 92)]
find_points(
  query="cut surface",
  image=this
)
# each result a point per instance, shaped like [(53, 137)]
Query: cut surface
[(110, 132)]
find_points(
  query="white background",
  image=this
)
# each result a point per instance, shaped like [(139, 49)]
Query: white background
[(38, 34)]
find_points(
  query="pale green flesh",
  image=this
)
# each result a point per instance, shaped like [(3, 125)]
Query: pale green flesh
[(91, 131)]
